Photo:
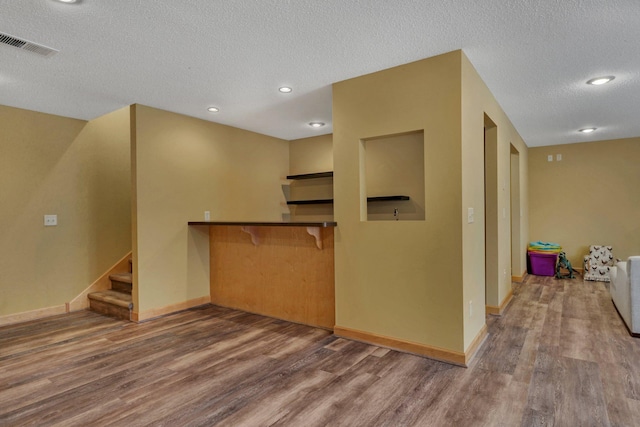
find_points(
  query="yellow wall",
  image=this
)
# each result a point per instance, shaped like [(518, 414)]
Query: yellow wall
[(477, 101), (81, 172), (491, 218), (310, 155), (517, 232), (414, 280), (590, 197), (184, 166), (401, 279)]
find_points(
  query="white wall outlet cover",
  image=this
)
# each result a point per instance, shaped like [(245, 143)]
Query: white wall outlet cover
[(470, 216), (207, 215), (550, 158), (558, 157), (50, 220)]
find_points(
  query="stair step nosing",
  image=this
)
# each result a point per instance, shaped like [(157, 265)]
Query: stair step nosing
[(121, 277), (98, 296)]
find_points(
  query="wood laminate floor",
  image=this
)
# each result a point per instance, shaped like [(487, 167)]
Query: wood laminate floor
[(560, 355)]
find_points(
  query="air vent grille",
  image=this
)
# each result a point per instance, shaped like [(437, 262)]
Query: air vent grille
[(27, 45)]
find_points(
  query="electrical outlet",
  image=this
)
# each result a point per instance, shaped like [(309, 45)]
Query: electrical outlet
[(50, 220), (207, 215), (550, 158), (470, 217), (559, 157)]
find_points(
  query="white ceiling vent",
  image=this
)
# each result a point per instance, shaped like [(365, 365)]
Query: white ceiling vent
[(27, 45)]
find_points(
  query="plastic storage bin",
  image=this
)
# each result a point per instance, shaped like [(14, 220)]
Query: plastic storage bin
[(543, 264), (546, 247)]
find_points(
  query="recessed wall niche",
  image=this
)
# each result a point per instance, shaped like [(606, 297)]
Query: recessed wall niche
[(392, 177)]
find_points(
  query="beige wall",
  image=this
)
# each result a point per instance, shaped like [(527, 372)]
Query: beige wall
[(414, 281), (310, 155), (517, 245), (184, 166), (81, 172), (477, 101), (590, 197), (401, 279), (489, 216)]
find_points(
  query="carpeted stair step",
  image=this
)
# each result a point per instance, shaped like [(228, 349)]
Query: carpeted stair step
[(121, 282), (112, 303)]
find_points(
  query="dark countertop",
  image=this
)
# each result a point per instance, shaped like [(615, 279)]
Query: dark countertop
[(267, 224)]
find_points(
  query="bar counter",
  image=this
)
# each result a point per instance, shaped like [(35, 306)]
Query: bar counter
[(323, 224), (279, 269)]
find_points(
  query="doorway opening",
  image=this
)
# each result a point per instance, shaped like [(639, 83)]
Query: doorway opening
[(517, 267), (491, 258)]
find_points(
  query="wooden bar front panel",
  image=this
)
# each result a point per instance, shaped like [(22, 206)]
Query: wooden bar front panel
[(285, 276)]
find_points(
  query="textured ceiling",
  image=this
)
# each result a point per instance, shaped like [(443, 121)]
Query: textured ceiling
[(183, 56)]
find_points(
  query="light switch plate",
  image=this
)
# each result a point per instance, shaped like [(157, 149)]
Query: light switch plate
[(558, 157), (470, 217), (550, 158)]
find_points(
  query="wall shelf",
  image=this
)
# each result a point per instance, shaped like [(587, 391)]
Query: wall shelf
[(328, 201), (310, 202), (387, 198), (311, 175)]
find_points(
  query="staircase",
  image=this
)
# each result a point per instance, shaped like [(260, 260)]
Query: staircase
[(114, 302)]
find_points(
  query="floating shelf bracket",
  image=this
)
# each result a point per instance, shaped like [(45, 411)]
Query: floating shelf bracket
[(253, 232), (315, 232)]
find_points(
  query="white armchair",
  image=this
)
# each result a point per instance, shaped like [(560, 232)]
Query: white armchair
[(598, 263), (625, 292)]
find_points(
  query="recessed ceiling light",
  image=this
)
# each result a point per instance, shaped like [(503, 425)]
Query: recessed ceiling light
[(600, 80), (213, 109), (316, 124), (285, 89), (68, 1), (587, 130)]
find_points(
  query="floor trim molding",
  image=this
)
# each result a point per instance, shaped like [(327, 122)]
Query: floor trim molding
[(475, 345), (519, 279), (173, 308), (441, 354), (26, 316), (497, 311)]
